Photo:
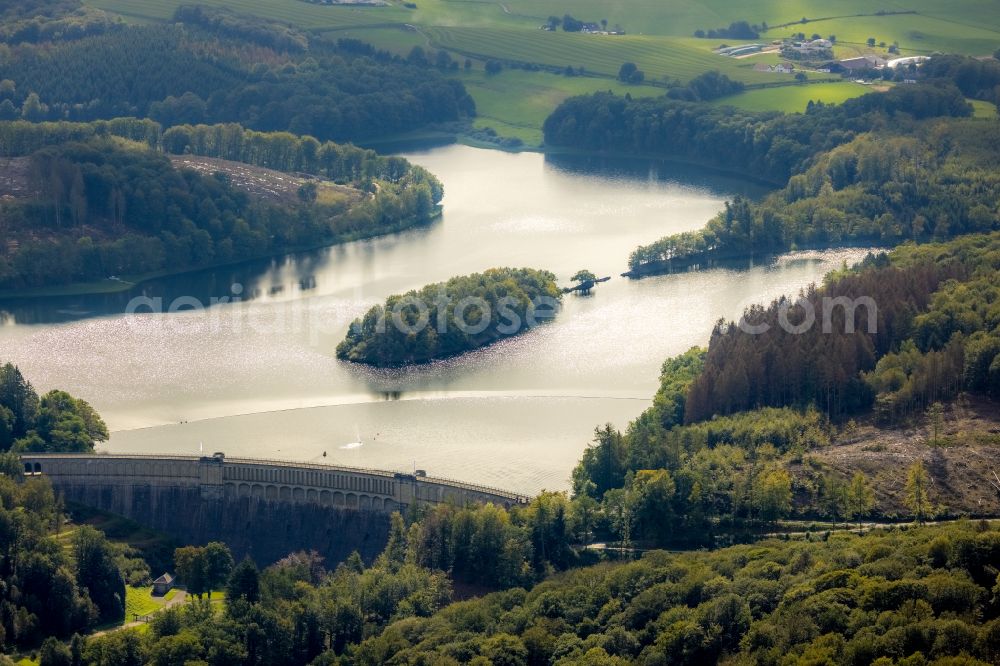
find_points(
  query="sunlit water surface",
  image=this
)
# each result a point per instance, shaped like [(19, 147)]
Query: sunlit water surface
[(258, 377)]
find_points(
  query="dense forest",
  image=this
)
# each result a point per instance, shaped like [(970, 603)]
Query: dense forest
[(55, 421), (928, 180), (935, 332), (768, 145), (915, 597), (50, 20), (827, 598), (882, 168), (903, 596), (100, 204), (342, 163), (975, 77), (297, 610), (52, 586), (711, 455), (216, 67), (450, 318)]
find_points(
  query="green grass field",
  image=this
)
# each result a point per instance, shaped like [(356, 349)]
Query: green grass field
[(140, 601), (937, 26), (516, 103), (658, 57), (983, 109), (395, 39), (296, 12), (968, 26), (659, 41), (794, 99), (916, 35)]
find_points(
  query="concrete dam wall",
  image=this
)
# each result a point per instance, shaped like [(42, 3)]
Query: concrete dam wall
[(265, 509)]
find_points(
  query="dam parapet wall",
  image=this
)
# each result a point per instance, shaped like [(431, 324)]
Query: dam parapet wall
[(262, 508)]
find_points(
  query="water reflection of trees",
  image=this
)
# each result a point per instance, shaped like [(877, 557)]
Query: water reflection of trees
[(280, 277), (643, 170)]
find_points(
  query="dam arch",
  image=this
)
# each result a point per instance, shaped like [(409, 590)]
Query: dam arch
[(262, 508)]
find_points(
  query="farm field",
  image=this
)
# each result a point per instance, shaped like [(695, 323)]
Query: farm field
[(658, 57), (395, 39), (983, 109), (659, 41), (296, 12), (795, 98), (915, 34), (934, 25), (515, 103)]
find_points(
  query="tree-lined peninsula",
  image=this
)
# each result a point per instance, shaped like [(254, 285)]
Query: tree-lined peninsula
[(881, 169), (85, 201), (772, 422), (53, 422)]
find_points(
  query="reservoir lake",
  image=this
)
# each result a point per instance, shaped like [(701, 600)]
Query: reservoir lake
[(245, 363)]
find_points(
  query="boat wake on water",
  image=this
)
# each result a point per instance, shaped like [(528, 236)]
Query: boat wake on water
[(357, 443)]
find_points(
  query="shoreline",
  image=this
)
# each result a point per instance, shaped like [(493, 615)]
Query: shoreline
[(109, 286), (735, 260), (429, 139), (423, 140), (414, 142)]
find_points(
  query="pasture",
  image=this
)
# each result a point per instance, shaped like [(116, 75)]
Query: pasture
[(964, 26), (659, 41), (659, 57), (295, 12), (515, 103), (983, 109), (794, 98)]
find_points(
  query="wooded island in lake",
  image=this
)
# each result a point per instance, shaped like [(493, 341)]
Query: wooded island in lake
[(449, 318)]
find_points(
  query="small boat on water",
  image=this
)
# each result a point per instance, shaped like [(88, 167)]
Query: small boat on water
[(357, 443)]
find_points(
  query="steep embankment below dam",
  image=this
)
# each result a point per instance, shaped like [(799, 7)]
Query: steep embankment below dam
[(266, 530)]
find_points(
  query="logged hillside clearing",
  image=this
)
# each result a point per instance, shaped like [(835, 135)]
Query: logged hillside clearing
[(14, 178), (267, 183), (258, 182), (961, 460)]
